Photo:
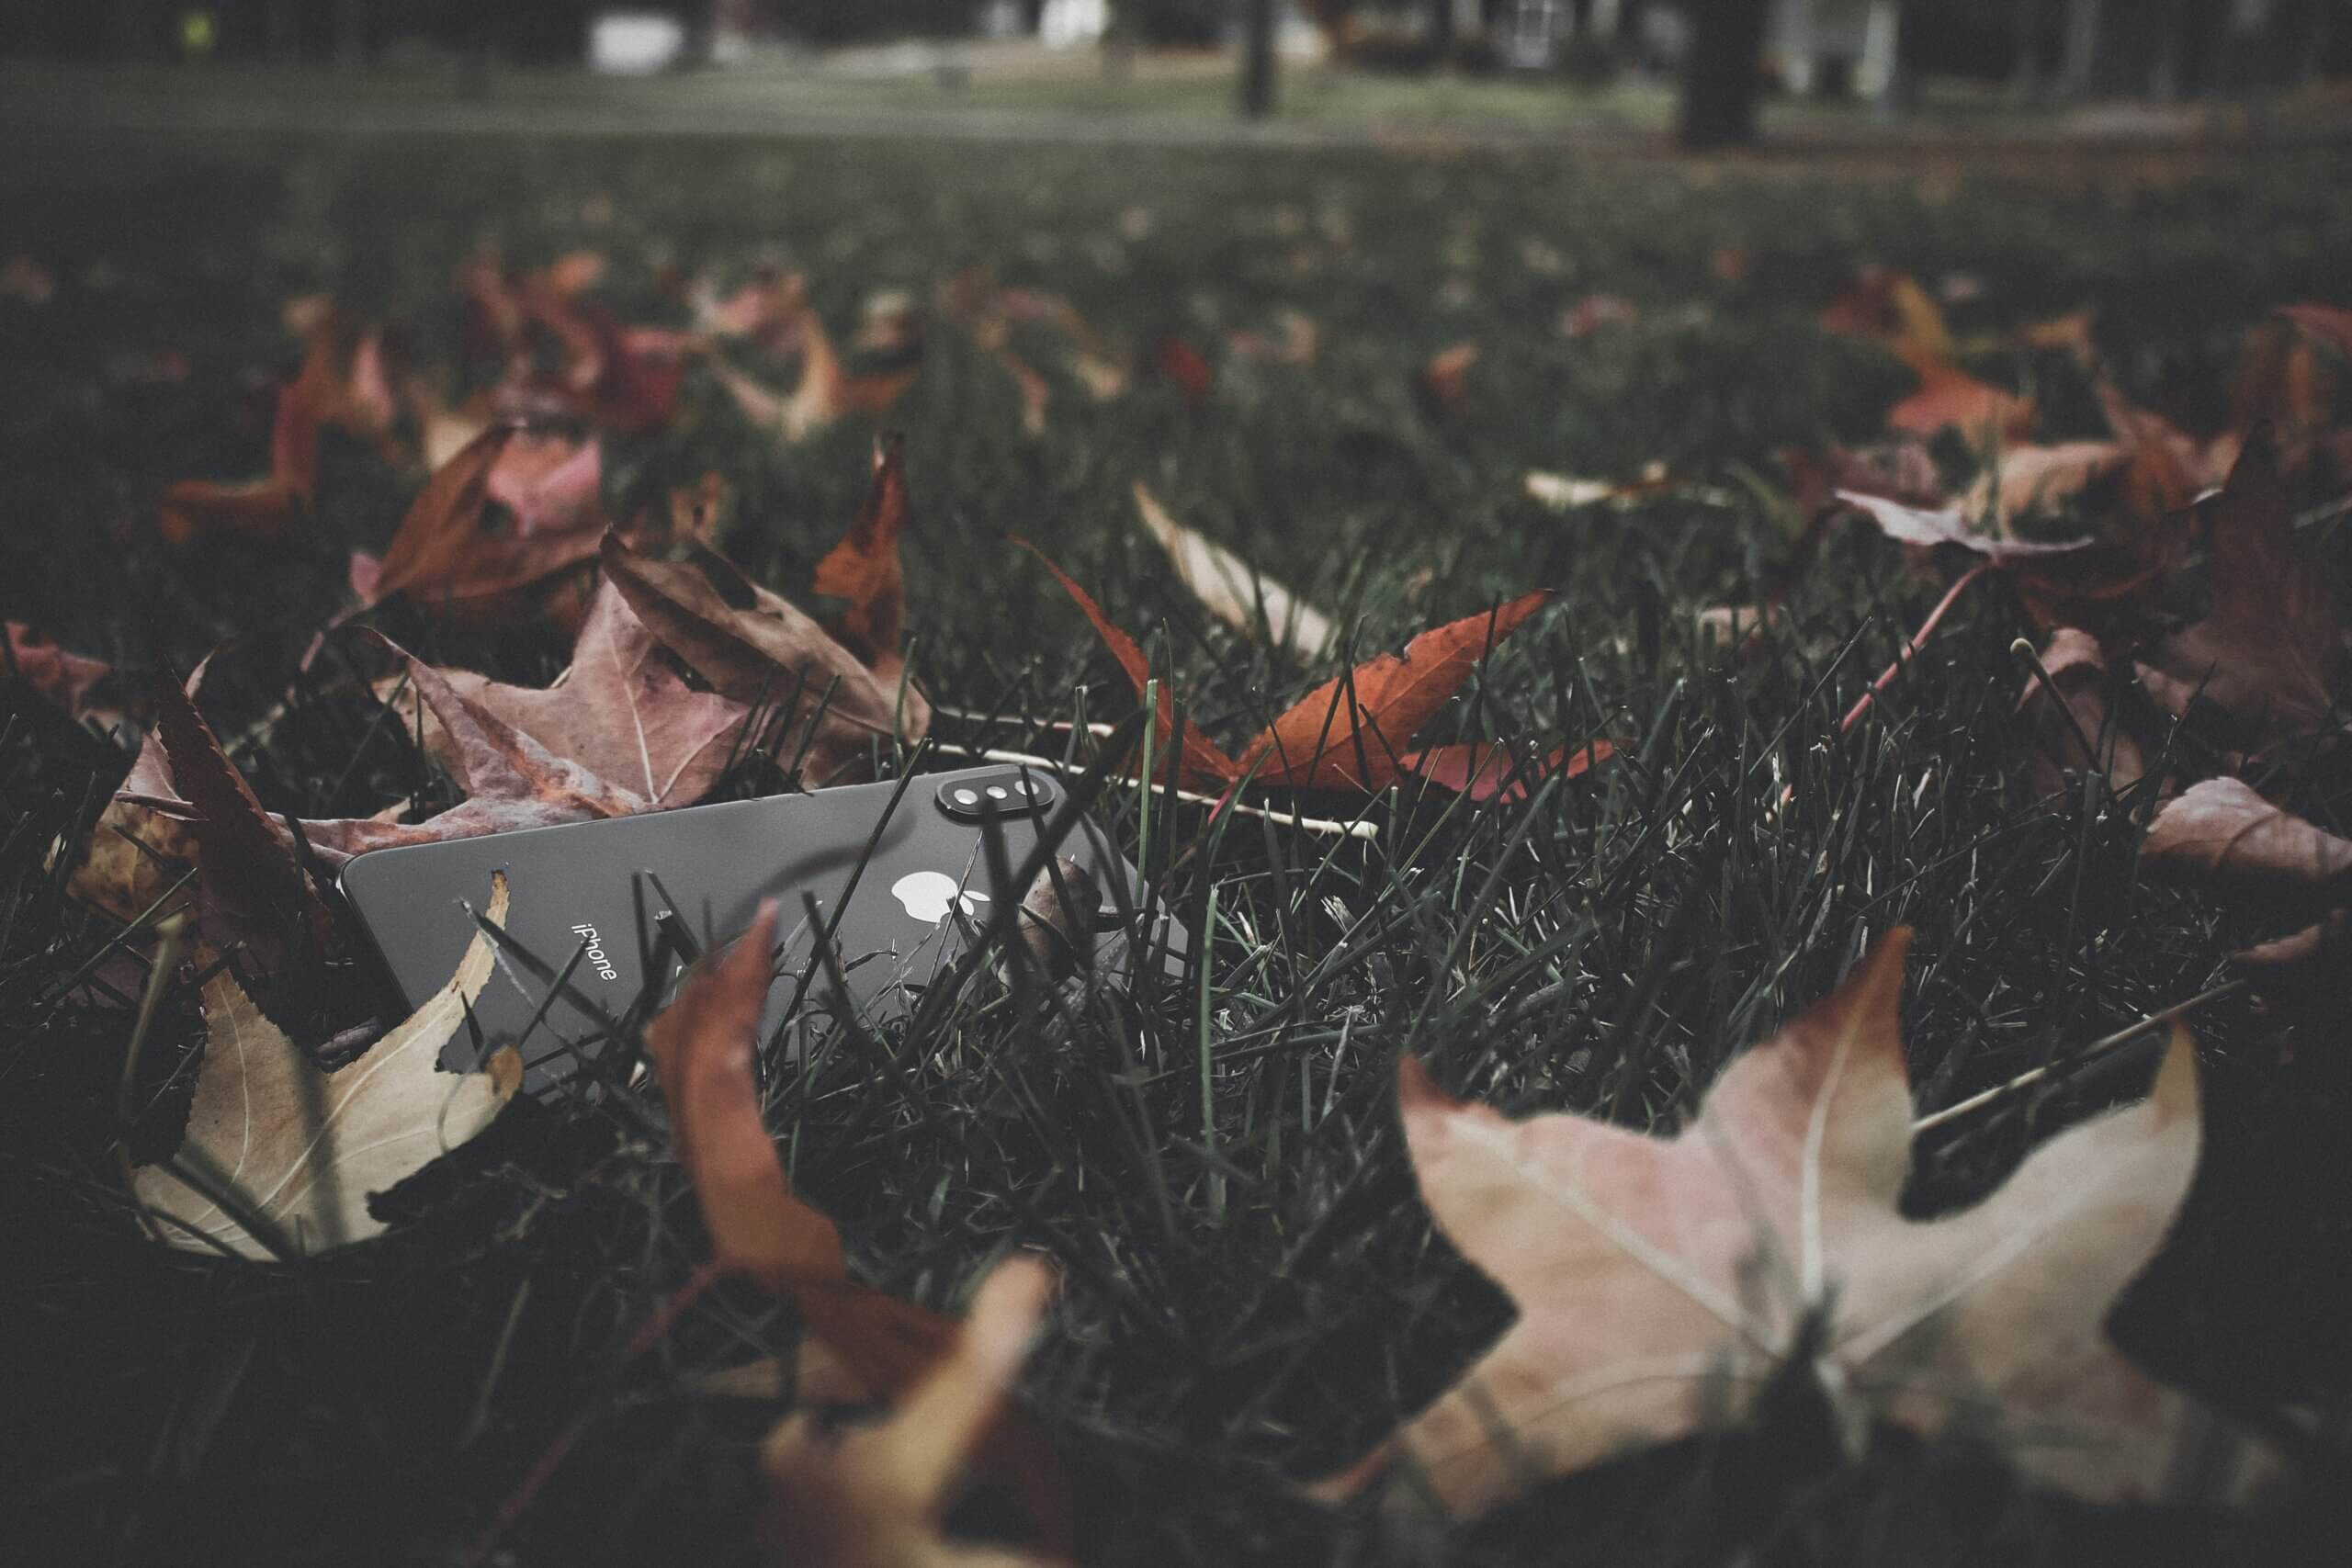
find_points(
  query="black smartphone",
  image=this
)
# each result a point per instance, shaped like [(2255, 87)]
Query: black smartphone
[(901, 875)]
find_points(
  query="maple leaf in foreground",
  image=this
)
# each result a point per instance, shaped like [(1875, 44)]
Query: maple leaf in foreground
[(302, 1150), (761, 1230), (2270, 656), (875, 1497), (1652, 1273), (753, 645)]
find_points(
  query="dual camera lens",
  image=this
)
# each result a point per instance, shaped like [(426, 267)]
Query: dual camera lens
[(975, 796)]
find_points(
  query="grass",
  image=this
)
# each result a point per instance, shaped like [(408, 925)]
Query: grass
[(1252, 1291)]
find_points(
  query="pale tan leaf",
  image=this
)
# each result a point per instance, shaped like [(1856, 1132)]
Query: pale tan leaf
[(874, 1497), (304, 1149), (1648, 1272), (1235, 592), (2221, 830)]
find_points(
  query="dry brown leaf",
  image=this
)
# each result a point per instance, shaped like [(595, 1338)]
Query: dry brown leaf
[(618, 711), (1889, 307), (865, 569), (135, 856), (1234, 592), (248, 862), (825, 393), (2220, 829), (64, 678), (1649, 1271), (877, 1497), (2037, 478), (2270, 657), (2086, 732), (835, 710), (1594, 311), (303, 1149), (1950, 397), (1444, 382)]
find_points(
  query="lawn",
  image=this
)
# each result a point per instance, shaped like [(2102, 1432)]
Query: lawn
[(1252, 1293)]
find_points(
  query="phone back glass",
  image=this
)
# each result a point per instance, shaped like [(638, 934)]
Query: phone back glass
[(590, 895)]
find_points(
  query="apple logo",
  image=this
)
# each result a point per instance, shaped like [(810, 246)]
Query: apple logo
[(926, 895)]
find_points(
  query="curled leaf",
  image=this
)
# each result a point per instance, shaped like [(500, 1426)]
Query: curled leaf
[(303, 1150), (1235, 592)]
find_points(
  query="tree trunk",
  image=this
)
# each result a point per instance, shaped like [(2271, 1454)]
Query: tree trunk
[(2082, 48), (1257, 59), (1886, 59), (2318, 33), (1719, 79), (2164, 78), (2025, 69), (1441, 27)]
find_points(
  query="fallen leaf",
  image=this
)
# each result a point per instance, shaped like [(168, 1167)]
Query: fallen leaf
[(193, 508), (1487, 770), (1350, 732), (864, 570), (303, 1150), (550, 484), (2220, 831), (618, 711), (509, 780), (1914, 525), (1444, 382), (1561, 492), (1594, 311), (444, 558), (1889, 307), (2268, 657), (1184, 368), (875, 1497), (1294, 340), (247, 861), (2329, 324), (135, 856), (769, 653), (1654, 1275), (702, 1046), (2086, 733), (65, 679), (1234, 592), (1950, 397), (2031, 479), (26, 281), (1200, 765), (823, 394)]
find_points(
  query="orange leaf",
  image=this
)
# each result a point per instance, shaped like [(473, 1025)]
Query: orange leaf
[(1951, 396), (864, 568), (1445, 380), (1320, 744), (1202, 766), (1488, 770), (443, 558), (1180, 363), (760, 1228)]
